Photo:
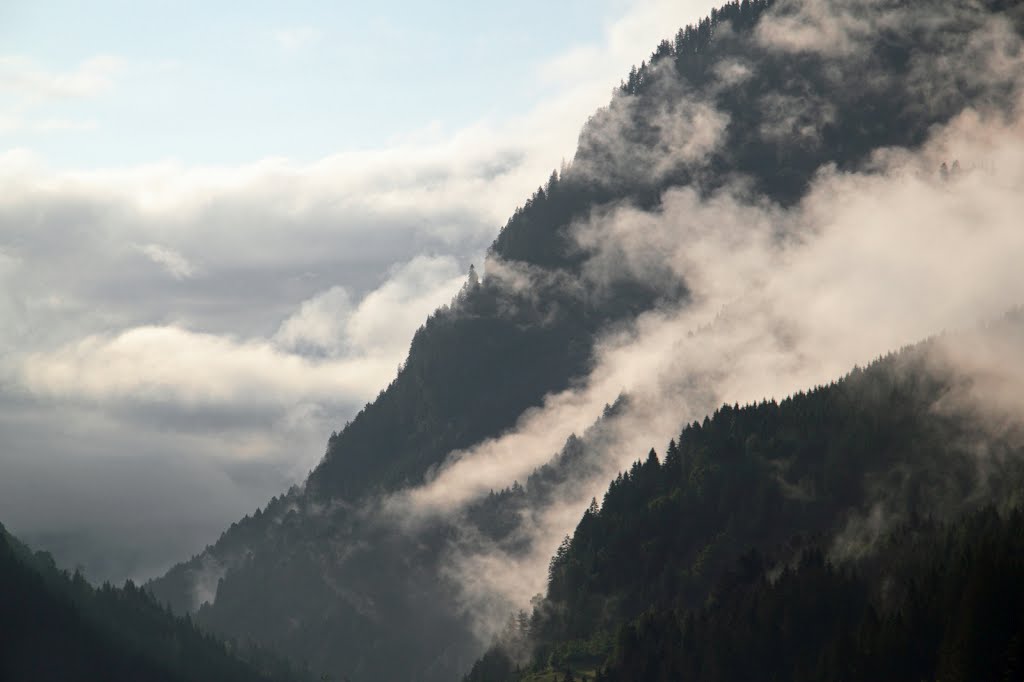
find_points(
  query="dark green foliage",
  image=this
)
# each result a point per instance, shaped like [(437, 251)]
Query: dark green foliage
[(452, 392), (473, 369), (676, 543), (494, 666), (933, 603), (55, 626), (760, 476)]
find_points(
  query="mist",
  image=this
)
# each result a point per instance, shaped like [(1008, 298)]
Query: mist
[(284, 289), (781, 299), (199, 331)]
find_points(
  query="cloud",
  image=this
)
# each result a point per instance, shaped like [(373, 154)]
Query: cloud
[(411, 294), (683, 129), (170, 260), (21, 76), (626, 41), (495, 463), (25, 86), (384, 320), (120, 501), (170, 364), (782, 299), (204, 308), (16, 124), (232, 316), (360, 348), (287, 327), (318, 325), (246, 415), (821, 26)]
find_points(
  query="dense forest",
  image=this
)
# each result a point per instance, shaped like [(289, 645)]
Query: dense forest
[(656, 580), (321, 576), (934, 602), (56, 627)]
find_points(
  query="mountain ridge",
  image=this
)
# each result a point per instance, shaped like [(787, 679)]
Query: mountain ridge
[(57, 627), (477, 367)]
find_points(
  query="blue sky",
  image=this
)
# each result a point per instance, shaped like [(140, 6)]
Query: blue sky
[(216, 83)]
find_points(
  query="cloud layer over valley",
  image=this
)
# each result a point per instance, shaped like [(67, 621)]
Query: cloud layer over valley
[(203, 329)]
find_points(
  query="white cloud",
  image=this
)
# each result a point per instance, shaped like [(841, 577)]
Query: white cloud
[(386, 319), (274, 325), (170, 365), (873, 261), (247, 351), (22, 76), (319, 324), (17, 124), (627, 40), (822, 26), (170, 260), (383, 322)]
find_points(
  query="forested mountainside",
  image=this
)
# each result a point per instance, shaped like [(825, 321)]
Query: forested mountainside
[(326, 573), (56, 627), (765, 529), (934, 602)]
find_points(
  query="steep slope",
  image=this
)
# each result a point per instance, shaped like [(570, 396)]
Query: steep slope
[(934, 603), (326, 573), (57, 627), (913, 436)]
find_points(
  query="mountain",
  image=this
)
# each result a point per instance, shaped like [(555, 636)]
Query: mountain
[(57, 627), (934, 602), (342, 573), (682, 549)]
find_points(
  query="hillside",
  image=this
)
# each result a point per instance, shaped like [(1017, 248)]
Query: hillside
[(682, 549), (57, 627), (934, 602), (326, 574)]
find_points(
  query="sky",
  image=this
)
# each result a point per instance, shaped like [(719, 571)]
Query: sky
[(219, 230), (210, 83)]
